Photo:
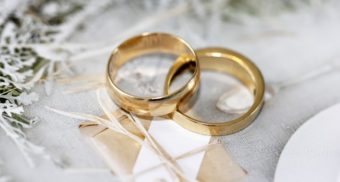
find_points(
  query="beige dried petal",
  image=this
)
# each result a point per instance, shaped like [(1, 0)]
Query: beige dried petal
[(235, 101)]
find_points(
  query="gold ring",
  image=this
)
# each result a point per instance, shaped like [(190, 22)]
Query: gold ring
[(223, 60), (144, 44)]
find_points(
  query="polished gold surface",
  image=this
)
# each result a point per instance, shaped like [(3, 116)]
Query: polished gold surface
[(144, 44), (233, 63)]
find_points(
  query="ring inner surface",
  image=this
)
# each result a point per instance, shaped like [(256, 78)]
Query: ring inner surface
[(220, 77), (158, 51)]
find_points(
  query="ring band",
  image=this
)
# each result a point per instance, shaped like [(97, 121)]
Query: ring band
[(144, 44), (223, 60)]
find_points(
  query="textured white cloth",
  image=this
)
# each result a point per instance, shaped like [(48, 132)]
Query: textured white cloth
[(283, 48)]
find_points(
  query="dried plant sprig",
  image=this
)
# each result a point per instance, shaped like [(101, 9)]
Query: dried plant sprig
[(82, 83), (171, 165), (328, 67), (108, 106), (190, 153), (113, 124), (179, 157)]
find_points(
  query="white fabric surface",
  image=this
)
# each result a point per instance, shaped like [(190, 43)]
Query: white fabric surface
[(282, 47)]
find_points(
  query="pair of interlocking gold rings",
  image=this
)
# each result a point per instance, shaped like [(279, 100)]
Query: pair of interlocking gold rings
[(216, 59)]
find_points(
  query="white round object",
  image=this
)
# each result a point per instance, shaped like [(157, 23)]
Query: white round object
[(313, 152)]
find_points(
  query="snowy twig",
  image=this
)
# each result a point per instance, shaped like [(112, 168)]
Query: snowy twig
[(31, 48)]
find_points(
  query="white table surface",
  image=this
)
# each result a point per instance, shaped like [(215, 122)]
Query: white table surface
[(283, 47)]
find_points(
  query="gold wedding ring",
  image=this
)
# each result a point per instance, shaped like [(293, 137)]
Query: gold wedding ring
[(144, 44), (216, 59), (235, 64)]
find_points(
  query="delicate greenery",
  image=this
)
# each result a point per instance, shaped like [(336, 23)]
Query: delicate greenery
[(22, 64)]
